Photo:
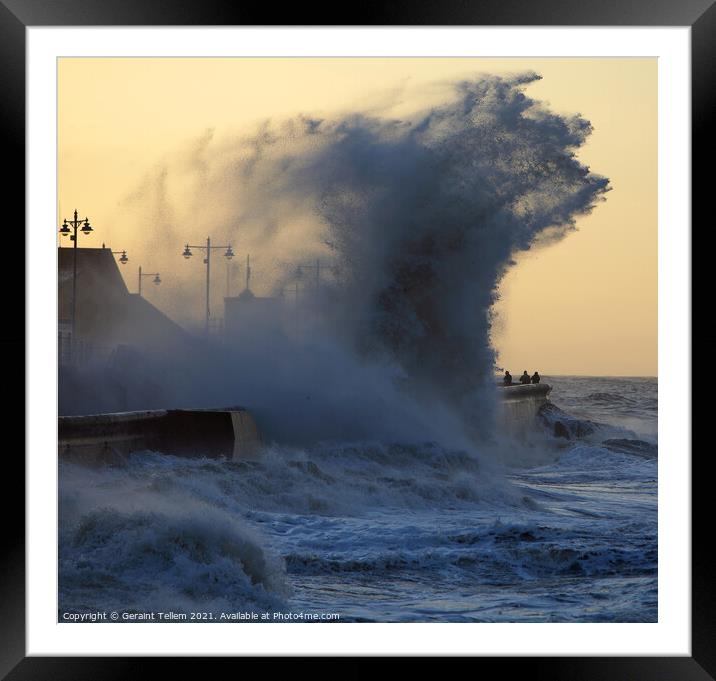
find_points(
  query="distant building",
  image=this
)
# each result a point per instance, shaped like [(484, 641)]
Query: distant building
[(107, 314), (248, 316), (125, 350)]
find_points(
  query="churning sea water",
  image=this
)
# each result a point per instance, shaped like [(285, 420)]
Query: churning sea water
[(554, 528)]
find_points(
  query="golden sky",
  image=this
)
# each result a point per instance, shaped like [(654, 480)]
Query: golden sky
[(586, 305)]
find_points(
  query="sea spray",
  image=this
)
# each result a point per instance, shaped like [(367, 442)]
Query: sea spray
[(416, 221), (375, 531), (133, 540), (378, 500)]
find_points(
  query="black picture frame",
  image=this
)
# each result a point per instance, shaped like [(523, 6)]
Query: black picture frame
[(16, 15)]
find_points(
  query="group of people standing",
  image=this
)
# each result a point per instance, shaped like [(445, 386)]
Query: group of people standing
[(525, 379)]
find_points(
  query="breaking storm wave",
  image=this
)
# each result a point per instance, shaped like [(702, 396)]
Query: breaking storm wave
[(386, 492), (416, 220)]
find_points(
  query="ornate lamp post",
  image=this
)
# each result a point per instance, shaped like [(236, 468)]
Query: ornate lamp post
[(122, 256), (207, 261), (70, 227), (156, 279)]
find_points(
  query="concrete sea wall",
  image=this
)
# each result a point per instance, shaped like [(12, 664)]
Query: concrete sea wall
[(110, 438), (520, 406), (229, 433)]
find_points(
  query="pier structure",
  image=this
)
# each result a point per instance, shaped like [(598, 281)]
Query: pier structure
[(520, 405)]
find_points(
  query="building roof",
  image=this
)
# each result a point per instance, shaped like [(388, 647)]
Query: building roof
[(107, 314)]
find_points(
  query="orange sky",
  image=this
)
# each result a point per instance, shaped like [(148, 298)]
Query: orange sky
[(587, 305)]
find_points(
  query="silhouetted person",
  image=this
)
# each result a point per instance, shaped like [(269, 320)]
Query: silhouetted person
[(507, 380), (525, 379), (535, 377)]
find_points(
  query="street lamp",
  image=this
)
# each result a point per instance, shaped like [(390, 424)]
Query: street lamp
[(156, 279), (70, 227), (207, 261), (123, 257)]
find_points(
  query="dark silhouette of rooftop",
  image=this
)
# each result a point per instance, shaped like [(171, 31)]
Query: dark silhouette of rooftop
[(107, 314)]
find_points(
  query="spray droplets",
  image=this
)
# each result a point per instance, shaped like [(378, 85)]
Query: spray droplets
[(422, 217)]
